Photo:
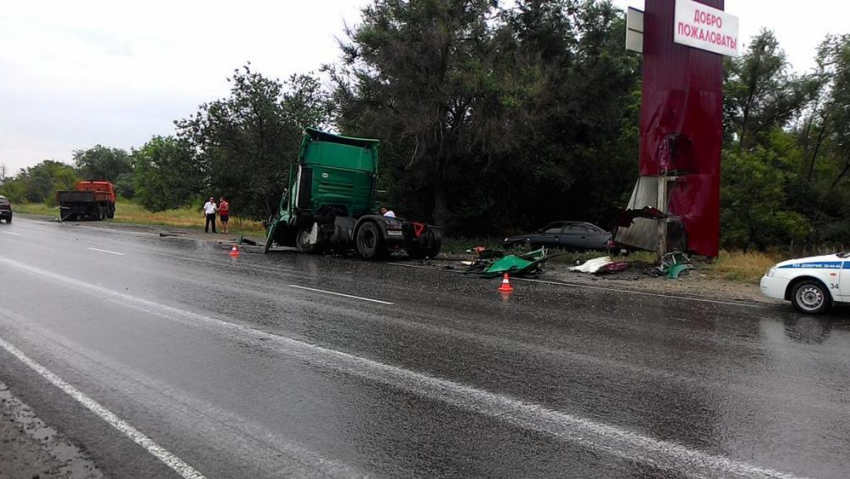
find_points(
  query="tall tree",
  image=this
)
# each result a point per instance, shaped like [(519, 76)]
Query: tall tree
[(488, 115), (829, 167), (166, 175), (245, 143), (761, 92), (38, 184), (103, 163), (417, 74)]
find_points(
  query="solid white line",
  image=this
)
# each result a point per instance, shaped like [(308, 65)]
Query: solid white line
[(597, 436), (124, 427), (107, 251), (340, 294), (13, 234)]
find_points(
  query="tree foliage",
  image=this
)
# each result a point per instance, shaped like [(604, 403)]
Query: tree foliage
[(244, 144), (492, 117), (786, 162), (166, 176), (103, 163), (39, 183)]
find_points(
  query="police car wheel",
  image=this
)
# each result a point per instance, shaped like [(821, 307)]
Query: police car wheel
[(810, 297)]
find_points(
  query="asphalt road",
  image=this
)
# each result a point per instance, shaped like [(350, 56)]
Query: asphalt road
[(162, 357)]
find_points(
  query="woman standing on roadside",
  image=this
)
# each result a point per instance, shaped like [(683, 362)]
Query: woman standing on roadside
[(224, 214)]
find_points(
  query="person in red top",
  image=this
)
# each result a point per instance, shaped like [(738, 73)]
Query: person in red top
[(224, 214)]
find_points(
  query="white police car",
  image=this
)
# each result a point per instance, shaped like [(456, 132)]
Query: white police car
[(811, 284)]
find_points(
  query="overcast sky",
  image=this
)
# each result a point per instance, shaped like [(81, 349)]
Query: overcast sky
[(77, 74)]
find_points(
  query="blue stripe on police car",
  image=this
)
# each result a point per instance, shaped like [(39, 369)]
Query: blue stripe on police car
[(819, 265)]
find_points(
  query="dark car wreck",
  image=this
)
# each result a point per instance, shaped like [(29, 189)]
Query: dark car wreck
[(574, 235)]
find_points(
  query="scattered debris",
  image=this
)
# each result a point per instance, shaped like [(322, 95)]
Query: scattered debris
[(593, 266), (244, 240), (615, 267), (673, 265), (527, 264)]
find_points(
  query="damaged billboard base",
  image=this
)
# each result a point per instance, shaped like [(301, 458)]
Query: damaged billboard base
[(645, 223)]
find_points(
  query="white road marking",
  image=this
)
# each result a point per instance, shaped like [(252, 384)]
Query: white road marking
[(340, 294), (107, 251), (10, 233), (605, 288), (122, 426), (598, 436)]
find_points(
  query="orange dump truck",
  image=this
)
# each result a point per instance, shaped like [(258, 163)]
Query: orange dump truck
[(93, 199)]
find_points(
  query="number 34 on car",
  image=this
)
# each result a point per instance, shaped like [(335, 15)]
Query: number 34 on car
[(812, 284)]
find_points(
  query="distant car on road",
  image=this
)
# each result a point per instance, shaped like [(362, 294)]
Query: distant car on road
[(811, 284), (565, 234), (5, 209)]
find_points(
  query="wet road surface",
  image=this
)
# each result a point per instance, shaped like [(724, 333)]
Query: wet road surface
[(268, 366)]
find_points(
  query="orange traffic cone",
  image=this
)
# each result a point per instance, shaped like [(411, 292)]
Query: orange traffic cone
[(506, 285), (234, 251)]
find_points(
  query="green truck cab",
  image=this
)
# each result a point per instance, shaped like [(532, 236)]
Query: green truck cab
[(330, 200)]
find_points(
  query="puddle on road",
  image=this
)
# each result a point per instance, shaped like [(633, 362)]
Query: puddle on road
[(74, 463)]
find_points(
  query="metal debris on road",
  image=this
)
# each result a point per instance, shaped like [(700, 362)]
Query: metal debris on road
[(673, 264), (493, 264)]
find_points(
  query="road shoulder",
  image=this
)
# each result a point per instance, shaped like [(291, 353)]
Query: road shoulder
[(31, 449), (694, 284)]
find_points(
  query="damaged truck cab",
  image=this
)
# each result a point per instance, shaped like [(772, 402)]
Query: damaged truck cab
[(330, 200)]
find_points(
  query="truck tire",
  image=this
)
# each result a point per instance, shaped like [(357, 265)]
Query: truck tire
[(434, 243), (301, 240), (370, 242), (111, 213)]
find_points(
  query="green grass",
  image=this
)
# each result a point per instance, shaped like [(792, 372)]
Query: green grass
[(132, 213), (35, 209), (741, 267)]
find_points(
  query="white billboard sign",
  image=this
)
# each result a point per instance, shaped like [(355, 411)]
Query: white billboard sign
[(706, 28), (634, 30)]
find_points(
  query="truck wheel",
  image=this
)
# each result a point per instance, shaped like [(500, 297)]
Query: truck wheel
[(370, 242), (111, 212), (810, 297), (302, 238), (434, 243)]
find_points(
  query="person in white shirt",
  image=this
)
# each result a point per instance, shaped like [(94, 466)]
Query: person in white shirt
[(387, 213), (209, 210)]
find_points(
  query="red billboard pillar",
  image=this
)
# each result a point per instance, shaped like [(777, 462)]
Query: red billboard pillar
[(681, 125)]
